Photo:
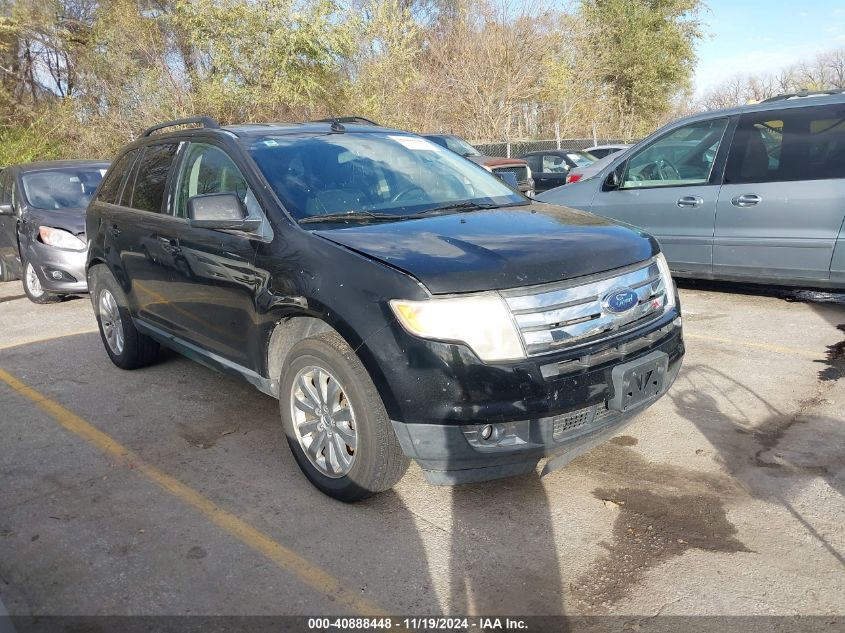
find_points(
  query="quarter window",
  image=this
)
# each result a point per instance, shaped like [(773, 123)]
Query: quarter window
[(150, 183), (788, 145), (684, 156)]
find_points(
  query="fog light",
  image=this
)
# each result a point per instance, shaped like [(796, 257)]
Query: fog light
[(487, 432), (56, 274)]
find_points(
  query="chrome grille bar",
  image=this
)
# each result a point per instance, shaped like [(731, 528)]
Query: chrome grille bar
[(559, 314)]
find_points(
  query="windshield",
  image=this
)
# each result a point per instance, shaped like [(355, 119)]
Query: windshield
[(384, 174), (460, 146), (67, 188), (581, 159)]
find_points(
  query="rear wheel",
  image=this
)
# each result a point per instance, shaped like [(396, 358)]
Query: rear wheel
[(125, 345), (32, 286), (335, 421)]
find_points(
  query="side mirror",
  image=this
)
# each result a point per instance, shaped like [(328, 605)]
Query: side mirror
[(612, 181), (220, 211), (7, 209)]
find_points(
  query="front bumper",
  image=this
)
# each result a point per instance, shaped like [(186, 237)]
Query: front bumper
[(60, 271), (548, 406)]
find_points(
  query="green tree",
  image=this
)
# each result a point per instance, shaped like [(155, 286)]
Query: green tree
[(642, 55)]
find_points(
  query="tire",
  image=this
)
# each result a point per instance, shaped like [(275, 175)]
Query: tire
[(353, 410), (127, 348), (32, 286)]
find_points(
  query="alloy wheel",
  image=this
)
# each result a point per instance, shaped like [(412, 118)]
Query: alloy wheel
[(33, 283), (111, 321), (324, 421)]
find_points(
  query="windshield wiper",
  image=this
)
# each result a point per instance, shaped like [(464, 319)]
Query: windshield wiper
[(466, 206), (354, 216)]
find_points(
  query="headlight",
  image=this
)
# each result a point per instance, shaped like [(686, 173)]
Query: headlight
[(60, 238), (483, 322), (667, 280)]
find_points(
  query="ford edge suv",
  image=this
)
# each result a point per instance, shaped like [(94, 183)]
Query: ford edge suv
[(399, 301)]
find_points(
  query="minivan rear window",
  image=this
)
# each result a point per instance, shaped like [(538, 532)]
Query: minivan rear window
[(787, 145)]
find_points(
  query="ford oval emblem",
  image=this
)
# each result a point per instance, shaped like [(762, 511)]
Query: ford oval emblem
[(620, 300)]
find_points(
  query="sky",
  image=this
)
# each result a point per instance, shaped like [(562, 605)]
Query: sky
[(758, 36)]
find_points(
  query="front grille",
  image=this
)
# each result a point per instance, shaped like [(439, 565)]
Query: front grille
[(554, 315), (569, 423), (521, 172)]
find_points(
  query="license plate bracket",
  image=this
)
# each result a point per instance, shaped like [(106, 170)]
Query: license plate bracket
[(638, 381)]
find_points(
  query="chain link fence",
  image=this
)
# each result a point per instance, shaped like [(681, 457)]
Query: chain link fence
[(518, 148)]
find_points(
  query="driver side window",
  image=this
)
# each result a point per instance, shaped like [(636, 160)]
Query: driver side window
[(684, 156), (208, 169)]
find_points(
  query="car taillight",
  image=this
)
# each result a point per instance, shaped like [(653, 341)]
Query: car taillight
[(573, 178)]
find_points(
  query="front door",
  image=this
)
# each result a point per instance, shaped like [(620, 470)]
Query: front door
[(670, 188), (215, 280), (9, 225), (783, 200)]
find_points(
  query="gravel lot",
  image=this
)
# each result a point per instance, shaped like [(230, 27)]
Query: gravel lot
[(170, 490)]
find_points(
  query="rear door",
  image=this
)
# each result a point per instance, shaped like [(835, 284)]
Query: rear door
[(783, 200), (550, 172), (139, 231), (672, 194)]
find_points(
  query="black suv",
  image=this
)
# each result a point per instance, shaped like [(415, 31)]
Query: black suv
[(399, 301)]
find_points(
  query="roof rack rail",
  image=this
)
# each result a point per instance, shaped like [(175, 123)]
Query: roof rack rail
[(804, 93), (204, 121), (347, 119)]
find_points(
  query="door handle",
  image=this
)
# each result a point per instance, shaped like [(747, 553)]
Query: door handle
[(690, 201), (747, 200)]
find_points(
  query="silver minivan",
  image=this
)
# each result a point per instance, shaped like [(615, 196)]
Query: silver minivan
[(754, 193)]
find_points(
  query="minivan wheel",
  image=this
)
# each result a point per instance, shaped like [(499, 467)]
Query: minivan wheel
[(335, 421), (32, 286), (127, 348)]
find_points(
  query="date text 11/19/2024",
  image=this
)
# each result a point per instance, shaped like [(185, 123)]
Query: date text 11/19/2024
[(418, 624)]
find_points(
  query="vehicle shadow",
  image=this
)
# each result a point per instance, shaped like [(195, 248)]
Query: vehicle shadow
[(773, 458)]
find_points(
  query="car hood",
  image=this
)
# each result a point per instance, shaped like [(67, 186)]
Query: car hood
[(498, 248), (72, 220)]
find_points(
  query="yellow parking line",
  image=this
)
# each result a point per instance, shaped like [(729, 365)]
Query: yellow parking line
[(31, 341), (764, 346), (306, 572)]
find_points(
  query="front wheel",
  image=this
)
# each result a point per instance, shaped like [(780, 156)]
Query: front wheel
[(32, 286), (335, 421)]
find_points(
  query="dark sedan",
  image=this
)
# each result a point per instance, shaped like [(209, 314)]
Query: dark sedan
[(42, 225), (550, 167)]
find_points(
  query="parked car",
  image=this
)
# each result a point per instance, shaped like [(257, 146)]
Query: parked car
[(588, 171), (42, 225), (499, 165), (600, 151), (397, 300), (549, 168), (754, 193)]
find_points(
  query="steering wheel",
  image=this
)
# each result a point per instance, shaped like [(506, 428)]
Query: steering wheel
[(406, 193), (667, 170)]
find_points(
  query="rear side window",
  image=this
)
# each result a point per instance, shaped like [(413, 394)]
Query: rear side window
[(788, 145), (151, 178), (110, 188), (5, 188)]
